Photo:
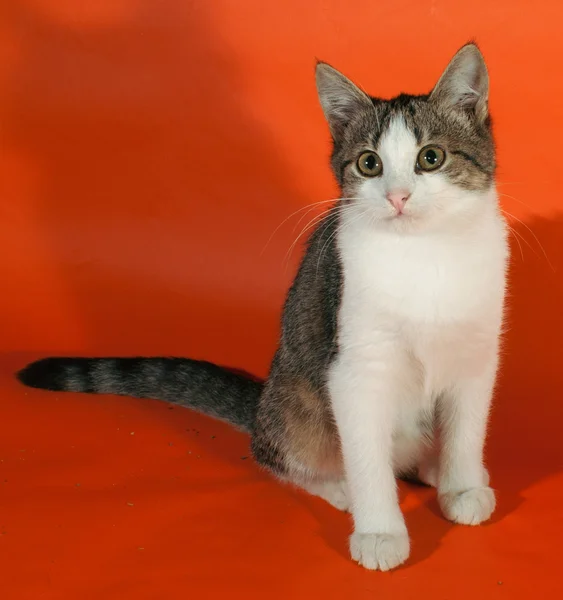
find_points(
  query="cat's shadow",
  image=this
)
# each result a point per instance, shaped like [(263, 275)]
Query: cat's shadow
[(525, 441)]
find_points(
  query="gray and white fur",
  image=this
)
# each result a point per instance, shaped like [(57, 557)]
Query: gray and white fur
[(390, 332)]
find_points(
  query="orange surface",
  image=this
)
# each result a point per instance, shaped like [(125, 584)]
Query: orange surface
[(149, 150)]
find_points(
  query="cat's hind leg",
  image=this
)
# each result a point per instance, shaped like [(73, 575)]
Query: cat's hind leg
[(296, 438), (334, 491)]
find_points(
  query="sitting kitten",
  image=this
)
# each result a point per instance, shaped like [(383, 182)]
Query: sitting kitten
[(390, 337)]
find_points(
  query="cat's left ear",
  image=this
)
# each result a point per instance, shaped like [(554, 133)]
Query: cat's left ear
[(340, 99), (465, 83)]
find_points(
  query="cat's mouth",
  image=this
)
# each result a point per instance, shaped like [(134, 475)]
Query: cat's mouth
[(400, 216), (403, 221)]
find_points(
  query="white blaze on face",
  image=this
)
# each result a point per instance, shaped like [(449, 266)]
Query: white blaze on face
[(398, 149)]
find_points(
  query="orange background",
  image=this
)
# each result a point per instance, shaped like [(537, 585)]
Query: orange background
[(149, 150)]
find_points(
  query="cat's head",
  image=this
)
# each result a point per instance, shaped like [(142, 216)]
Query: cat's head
[(413, 160)]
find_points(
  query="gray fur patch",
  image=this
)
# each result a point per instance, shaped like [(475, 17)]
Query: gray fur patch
[(74, 379)]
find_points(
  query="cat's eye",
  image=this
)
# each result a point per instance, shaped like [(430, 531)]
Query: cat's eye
[(430, 158), (369, 164)]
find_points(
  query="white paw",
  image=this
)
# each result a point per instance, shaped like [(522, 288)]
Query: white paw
[(334, 492), (379, 550), (470, 507)]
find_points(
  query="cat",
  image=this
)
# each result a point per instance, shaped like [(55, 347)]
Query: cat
[(391, 329)]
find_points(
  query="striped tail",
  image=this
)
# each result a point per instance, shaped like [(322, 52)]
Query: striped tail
[(202, 386)]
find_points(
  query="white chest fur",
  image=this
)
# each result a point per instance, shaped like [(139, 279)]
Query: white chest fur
[(437, 294), (425, 311)]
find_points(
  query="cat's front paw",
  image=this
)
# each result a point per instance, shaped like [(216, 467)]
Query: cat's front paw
[(470, 507), (379, 551)]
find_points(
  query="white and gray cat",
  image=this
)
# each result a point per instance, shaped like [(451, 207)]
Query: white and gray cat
[(390, 334)]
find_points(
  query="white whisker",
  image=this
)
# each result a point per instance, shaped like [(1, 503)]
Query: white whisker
[(308, 206), (502, 195), (338, 229), (516, 234), (534, 235), (315, 221)]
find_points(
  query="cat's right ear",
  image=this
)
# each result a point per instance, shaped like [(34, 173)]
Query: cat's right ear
[(340, 98), (464, 85)]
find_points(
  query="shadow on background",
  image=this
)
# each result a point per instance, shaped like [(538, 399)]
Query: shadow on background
[(525, 437), (131, 121)]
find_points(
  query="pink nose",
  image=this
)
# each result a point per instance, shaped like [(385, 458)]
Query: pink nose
[(398, 199)]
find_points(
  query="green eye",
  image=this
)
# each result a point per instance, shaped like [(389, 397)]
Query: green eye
[(430, 158), (369, 164)]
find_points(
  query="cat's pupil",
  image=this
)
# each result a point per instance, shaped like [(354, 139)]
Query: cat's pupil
[(370, 162), (431, 157)]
